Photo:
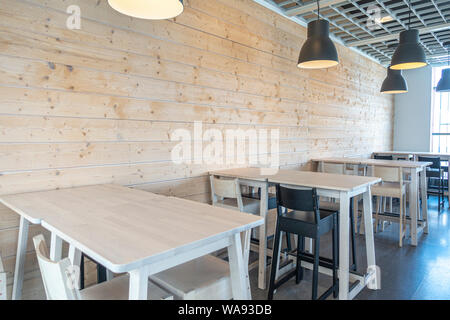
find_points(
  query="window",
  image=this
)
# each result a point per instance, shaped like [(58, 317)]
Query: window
[(440, 116)]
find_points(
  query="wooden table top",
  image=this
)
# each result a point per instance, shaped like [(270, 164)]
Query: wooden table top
[(124, 228), (425, 153), (376, 162), (309, 179)]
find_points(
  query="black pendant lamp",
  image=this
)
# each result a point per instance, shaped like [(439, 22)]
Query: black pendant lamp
[(409, 54), (444, 83), (318, 51), (394, 82)]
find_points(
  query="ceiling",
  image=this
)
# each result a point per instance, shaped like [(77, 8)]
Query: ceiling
[(356, 23)]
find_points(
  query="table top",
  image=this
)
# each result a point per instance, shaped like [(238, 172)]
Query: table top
[(124, 228), (425, 153), (309, 179), (376, 162)]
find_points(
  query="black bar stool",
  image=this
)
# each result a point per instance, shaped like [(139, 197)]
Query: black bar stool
[(101, 271), (383, 157), (433, 173), (303, 218)]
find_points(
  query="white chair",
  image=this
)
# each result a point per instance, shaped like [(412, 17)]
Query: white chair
[(57, 280), (226, 193), (208, 277), (392, 186), (2, 281)]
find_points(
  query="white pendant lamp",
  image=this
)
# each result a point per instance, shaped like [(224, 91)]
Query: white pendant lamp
[(148, 9)]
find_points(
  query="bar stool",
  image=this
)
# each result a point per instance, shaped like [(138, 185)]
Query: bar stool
[(378, 157), (392, 186), (384, 199), (435, 172), (298, 213)]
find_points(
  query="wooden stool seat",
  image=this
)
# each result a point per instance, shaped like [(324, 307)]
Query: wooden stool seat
[(117, 289), (389, 189), (207, 277), (327, 205), (249, 205)]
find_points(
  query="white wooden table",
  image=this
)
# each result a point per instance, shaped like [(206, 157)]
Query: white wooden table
[(342, 187), (416, 170), (415, 155), (133, 231)]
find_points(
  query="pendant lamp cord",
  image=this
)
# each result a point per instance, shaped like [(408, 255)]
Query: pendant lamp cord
[(409, 19), (318, 10)]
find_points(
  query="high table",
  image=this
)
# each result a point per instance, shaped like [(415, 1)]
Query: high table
[(416, 170), (415, 155), (342, 187), (133, 231)]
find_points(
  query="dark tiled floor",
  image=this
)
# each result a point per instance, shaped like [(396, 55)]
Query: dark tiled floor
[(421, 272)]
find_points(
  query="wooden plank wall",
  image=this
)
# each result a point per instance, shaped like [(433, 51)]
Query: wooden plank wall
[(97, 105)]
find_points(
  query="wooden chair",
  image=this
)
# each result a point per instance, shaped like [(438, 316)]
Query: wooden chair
[(57, 281), (208, 277), (392, 186), (2, 281)]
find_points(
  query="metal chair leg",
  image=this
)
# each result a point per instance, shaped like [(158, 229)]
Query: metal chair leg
[(335, 254), (315, 282), (300, 248), (275, 257)]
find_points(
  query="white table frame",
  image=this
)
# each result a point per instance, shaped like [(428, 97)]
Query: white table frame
[(416, 155), (140, 271), (417, 175), (344, 233)]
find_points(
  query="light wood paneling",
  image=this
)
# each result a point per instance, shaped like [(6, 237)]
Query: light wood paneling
[(98, 105)]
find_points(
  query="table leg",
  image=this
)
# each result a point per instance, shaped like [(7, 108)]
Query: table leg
[(423, 192), (344, 258), (237, 270), (74, 255), (264, 205), (109, 275), (138, 284), (413, 198), (245, 239), (20, 258), (75, 258), (368, 224), (55, 248)]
